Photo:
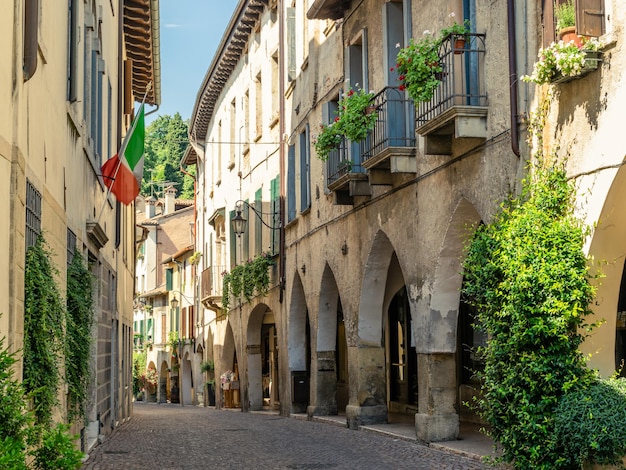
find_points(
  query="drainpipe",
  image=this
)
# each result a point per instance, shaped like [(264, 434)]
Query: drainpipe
[(281, 151), (513, 76)]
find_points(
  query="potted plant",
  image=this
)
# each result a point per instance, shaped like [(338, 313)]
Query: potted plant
[(327, 140), (457, 32), (345, 166), (355, 118), (565, 15), (563, 61), (356, 115), (417, 65)]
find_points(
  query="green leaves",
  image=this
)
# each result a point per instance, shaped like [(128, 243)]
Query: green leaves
[(527, 274), (250, 279), (44, 318), (79, 322)]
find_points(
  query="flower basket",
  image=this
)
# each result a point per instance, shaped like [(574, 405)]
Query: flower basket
[(561, 62), (459, 44)]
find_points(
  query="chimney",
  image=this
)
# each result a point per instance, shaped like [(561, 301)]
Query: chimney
[(151, 207), (170, 200)]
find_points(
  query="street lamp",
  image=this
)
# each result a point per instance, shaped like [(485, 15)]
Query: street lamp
[(239, 223), (174, 303)]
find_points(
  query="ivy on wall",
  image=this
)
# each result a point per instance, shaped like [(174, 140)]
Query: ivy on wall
[(78, 340), (44, 317), (250, 278)]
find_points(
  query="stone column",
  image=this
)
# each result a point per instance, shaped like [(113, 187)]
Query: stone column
[(326, 385), (368, 387), (437, 419)]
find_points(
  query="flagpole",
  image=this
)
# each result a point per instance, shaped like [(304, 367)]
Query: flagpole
[(122, 150)]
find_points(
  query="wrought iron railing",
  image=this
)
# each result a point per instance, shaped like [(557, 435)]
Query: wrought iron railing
[(462, 78), (345, 159), (395, 126)]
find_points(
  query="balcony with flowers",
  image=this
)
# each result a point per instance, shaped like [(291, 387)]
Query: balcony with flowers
[(444, 75)]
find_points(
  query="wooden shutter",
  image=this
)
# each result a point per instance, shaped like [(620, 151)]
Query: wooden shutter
[(549, 33), (590, 17), (169, 275)]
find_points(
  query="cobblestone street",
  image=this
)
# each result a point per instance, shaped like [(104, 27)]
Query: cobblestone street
[(174, 437)]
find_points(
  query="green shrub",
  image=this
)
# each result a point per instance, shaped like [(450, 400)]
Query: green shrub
[(12, 454), (527, 274), (57, 450), (591, 423), (14, 418)]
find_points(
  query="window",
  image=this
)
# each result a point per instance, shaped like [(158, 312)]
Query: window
[(233, 138), (72, 51), (275, 98), (275, 217), (590, 19), (33, 214), (291, 183), (258, 111), (305, 171), (258, 224), (233, 241), (356, 62), (71, 246), (291, 44)]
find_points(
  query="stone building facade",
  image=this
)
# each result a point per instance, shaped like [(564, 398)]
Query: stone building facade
[(365, 316), (67, 89)]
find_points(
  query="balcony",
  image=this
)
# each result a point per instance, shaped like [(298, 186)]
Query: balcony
[(458, 108), (346, 175), (211, 287), (391, 144)]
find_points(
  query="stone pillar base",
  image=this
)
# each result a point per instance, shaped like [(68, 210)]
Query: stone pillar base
[(434, 428), (364, 415)]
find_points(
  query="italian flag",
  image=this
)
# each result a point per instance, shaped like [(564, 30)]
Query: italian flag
[(122, 175)]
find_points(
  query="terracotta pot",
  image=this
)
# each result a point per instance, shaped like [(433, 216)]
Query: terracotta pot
[(569, 34), (459, 45)]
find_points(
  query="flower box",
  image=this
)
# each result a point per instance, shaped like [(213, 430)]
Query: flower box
[(592, 59)]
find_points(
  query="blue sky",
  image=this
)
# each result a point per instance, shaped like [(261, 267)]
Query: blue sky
[(191, 30)]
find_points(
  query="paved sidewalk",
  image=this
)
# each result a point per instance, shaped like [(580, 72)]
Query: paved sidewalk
[(471, 442)]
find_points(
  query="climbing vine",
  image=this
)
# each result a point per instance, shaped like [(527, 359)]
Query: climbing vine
[(250, 279), (44, 315), (78, 340)]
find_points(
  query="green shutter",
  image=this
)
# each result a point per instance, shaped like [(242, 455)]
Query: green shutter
[(169, 278), (245, 243), (258, 224), (275, 219), (233, 242)]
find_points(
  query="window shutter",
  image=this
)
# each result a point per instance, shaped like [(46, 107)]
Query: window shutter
[(258, 224), (291, 183), (590, 17), (169, 281), (549, 33), (291, 34), (233, 242)]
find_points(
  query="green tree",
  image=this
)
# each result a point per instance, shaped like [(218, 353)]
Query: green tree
[(528, 276), (166, 141)]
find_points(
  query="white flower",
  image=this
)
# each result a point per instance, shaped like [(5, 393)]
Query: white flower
[(426, 32), (452, 14), (397, 45)]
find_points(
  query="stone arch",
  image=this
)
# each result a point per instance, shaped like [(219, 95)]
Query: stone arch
[(226, 362), (186, 380), (262, 359), (299, 349), (438, 417), (163, 378), (441, 323), (368, 387), (329, 388), (607, 246)]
